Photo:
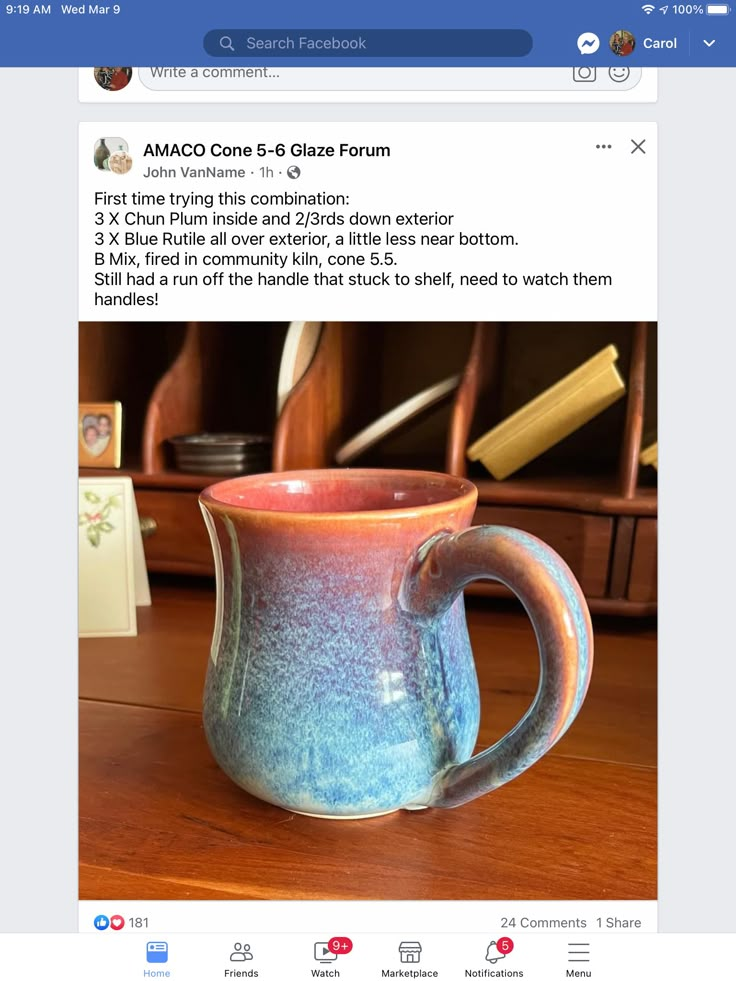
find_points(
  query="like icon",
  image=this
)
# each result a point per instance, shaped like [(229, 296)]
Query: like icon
[(117, 922)]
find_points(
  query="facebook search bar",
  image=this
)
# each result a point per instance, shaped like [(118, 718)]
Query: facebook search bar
[(275, 44)]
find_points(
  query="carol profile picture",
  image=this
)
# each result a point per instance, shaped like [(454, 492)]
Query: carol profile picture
[(113, 79), (622, 43), (111, 153)]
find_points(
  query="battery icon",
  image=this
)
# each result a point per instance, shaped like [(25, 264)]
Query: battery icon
[(719, 9)]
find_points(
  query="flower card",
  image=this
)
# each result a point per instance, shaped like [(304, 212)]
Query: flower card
[(112, 571)]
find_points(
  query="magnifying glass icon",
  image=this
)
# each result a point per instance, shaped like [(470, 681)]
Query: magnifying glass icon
[(227, 43)]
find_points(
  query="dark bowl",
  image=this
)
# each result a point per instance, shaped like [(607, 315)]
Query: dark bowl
[(222, 453)]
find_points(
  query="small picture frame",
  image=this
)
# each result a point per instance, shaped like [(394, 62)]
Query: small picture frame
[(100, 434)]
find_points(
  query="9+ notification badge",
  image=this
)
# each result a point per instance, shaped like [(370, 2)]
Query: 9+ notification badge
[(329, 950)]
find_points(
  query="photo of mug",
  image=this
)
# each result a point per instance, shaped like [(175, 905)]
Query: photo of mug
[(341, 683)]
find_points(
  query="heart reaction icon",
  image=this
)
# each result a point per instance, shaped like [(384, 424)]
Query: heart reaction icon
[(117, 922)]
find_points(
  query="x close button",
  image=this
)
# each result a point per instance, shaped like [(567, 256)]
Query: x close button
[(639, 146)]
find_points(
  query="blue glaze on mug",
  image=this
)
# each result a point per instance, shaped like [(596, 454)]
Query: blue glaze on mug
[(326, 699), (341, 681)]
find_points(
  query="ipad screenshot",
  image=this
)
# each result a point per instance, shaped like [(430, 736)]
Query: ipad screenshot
[(354, 626)]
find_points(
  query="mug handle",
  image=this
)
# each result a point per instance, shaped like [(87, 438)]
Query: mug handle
[(559, 614)]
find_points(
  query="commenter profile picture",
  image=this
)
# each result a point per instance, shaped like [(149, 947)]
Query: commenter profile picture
[(111, 153), (113, 79), (622, 43)]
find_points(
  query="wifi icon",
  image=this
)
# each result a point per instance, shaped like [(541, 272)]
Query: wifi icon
[(648, 8)]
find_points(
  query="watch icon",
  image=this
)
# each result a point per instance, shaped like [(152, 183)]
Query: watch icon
[(323, 954)]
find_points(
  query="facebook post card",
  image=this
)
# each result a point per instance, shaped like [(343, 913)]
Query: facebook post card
[(387, 395)]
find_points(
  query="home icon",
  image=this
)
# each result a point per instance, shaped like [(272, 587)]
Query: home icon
[(410, 951)]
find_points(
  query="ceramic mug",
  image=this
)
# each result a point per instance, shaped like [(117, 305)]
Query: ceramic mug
[(341, 681)]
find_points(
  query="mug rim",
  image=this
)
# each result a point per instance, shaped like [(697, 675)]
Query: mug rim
[(466, 494)]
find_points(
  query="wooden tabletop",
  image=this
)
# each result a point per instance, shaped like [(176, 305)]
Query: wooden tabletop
[(159, 820)]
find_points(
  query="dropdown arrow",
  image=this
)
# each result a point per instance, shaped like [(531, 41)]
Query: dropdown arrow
[(709, 44)]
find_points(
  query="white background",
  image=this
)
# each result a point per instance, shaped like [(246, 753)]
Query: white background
[(571, 207)]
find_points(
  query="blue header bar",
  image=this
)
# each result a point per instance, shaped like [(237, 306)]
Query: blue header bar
[(413, 32)]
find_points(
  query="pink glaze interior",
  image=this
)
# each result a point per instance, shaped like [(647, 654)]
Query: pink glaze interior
[(330, 491)]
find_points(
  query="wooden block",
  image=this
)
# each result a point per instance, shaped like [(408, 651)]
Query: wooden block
[(551, 416)]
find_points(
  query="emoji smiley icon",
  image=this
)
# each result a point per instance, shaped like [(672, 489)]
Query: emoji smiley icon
[(619, 73)]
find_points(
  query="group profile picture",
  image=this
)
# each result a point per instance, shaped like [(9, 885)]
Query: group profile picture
[(113, 79), (112, 153), (622, 43)]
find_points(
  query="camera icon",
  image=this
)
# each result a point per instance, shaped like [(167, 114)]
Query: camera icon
[(583, 74)]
